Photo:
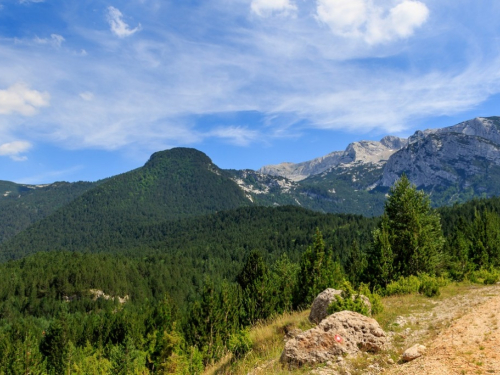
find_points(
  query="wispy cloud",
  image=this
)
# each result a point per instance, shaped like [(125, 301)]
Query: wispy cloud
[(265, 8), (376, 65), (55, 40), (118, 26), (87, 96), (50, 176), (15, 149), (19, 98), (236, 135)]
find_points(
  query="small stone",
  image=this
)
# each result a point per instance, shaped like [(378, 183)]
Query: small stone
[(414, 352), (390, 361)]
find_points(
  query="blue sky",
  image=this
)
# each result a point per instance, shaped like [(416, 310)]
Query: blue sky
[(89, 89)]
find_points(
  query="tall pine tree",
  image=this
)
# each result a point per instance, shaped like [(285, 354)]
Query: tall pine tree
[(409, 239)]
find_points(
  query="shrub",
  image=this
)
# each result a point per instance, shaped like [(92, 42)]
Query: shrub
[(240, 343), (374, 297), (348, 300), (404, 285), (429, 286), (492, 278), (423, 284), (487, 276)]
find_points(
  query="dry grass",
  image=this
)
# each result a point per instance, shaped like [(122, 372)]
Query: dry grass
[(268, 337), (268, 343)]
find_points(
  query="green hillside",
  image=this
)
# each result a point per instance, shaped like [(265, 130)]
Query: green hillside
[(23, 205), (173, 184)]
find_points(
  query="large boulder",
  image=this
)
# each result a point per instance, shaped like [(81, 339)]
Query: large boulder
[(319, 308), (344, 332)]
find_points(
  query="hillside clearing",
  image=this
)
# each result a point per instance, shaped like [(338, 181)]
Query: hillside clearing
[(459, 328)]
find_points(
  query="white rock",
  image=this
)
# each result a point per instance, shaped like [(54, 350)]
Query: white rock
[(414, 352)]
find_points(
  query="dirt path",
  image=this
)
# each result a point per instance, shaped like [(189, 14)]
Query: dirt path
[(467, 343)]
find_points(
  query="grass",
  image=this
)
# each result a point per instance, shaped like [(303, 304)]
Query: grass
[(268, 343), (268, 337)]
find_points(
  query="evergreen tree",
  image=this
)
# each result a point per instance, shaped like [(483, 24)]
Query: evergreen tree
[(356, 264), (409, 239), (381, 268), (317, 272), (284, 279), (259, 297), (56, 344), (486, 239)]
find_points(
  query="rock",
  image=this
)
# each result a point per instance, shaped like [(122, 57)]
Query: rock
[(414, 352), (362, 152), (342, 333), (455, 155), (320, 304), (291, 333)]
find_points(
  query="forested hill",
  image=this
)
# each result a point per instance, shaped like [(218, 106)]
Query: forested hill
[(186, 251), (173, 184), (22, 205), (214, 242)]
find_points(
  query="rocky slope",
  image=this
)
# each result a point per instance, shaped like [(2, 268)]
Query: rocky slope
[(452, 164), (459, 155), (363, 152)]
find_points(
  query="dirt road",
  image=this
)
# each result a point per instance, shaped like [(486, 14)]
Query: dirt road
[(469, 342)]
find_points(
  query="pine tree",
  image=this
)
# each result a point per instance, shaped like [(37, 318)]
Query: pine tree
[(409, 233), (356, 264), (486, 239), (317, 272), (56, 344), (259, 299)]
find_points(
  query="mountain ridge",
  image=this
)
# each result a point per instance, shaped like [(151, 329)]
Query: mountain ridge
[(361, 151), (452, 164)]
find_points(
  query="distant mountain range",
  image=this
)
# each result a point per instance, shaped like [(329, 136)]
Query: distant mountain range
[(452, 164)]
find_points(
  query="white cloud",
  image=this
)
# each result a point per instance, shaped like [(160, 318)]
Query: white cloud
[(118, 26), (18, 98), (370, 20), (55, 40), (157, 91), (31, 1), (266, 8), (14, 149), (345, 17)]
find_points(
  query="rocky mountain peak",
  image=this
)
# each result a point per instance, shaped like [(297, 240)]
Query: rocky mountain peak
[(451, 156), (361, 152), (391, 141)]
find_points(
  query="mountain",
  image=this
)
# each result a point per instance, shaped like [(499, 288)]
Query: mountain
[(22, 205), (363, 152), (173, 184), (452, 164), (342, 181)]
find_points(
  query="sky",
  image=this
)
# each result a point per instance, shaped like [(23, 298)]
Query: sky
[(90, 89)]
